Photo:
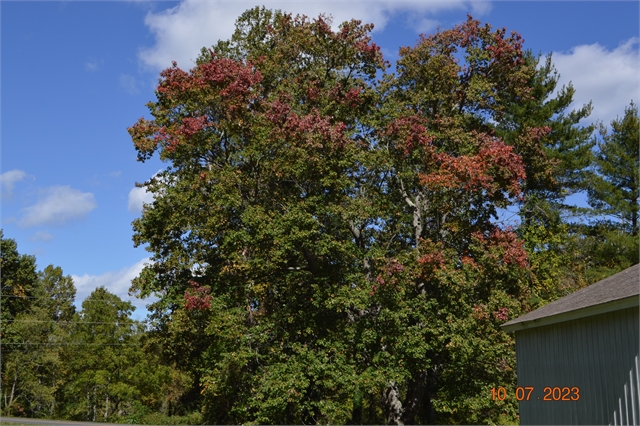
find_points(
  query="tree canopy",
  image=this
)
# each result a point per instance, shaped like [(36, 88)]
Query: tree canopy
[(329, 239)]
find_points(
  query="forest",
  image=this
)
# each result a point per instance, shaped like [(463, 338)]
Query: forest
[(328, 239)]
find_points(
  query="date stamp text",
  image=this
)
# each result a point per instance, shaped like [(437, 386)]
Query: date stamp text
[(528, 393)]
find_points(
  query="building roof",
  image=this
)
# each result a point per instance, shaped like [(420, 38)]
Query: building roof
[(619, 291)]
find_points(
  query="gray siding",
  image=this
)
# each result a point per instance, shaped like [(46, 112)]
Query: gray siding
[(597, 354)]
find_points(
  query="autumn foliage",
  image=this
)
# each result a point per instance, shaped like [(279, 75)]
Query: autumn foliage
[(332, 237)]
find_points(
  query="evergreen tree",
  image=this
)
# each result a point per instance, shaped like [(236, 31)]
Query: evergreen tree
[(558, 156), (615, 188), (556, 148), (610, 242)]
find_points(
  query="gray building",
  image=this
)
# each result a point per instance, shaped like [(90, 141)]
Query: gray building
[(577, 357)]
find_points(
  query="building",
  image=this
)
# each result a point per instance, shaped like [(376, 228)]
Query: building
[(577, 357)]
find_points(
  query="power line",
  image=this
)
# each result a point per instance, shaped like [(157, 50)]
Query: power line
[(49, 298), (78, 322), (68, 344)]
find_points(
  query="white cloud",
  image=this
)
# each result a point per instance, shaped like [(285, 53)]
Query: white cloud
[(41, 236), (607, 77), (58, 205), (129, 84), (116, 174), (138, 197), (117, 282), (9, 179), (93, 65), (423, 25), (180, 32)]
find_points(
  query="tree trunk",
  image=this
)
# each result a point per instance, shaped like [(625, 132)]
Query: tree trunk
[(393, 405), (53, 386), (95, 408), (106, 407), (398, 413), (13, 389), (415, 393), (416, 204), (634, 218), (88, 405), (431, 394)]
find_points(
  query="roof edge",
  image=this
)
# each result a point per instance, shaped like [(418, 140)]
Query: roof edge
[(614, 305)]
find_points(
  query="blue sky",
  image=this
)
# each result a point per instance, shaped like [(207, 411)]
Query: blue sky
[(75, 75)]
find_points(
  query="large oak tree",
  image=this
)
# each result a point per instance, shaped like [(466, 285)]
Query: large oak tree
[(324, 244)]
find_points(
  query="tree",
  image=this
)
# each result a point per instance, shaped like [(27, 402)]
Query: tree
[(609, 242), (324, 246), (264, 167), (101, 358), (557, 165), (34, 335), (448, 173), (557, 161), (46, 328), (34, 365), (615, 189), (56, 294), (56, 363), (18, 280)]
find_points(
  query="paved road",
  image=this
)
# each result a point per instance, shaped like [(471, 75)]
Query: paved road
[(25, 421)]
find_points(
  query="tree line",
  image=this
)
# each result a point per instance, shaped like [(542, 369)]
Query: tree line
[(327, 243), (92, 364)]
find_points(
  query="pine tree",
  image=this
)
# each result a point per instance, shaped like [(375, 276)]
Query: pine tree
[(615, 188)]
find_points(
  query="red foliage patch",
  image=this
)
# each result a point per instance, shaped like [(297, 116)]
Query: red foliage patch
[(197, 297), (502, 314), (507, 244), (496, 167)]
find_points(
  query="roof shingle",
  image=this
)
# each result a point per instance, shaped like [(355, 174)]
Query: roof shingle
[(622, 285)]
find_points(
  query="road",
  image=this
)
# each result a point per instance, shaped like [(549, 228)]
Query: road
[(25, 421)]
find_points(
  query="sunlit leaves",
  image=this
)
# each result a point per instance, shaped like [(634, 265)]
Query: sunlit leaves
[(324, 244)]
